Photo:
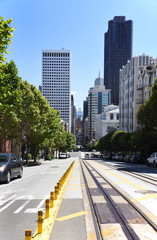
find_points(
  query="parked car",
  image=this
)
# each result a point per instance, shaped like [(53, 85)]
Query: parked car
[(135, 158), (62, 155), (10, 167), (120, 156), (152, 160), (127, 158), (108, 156), (87, 155)]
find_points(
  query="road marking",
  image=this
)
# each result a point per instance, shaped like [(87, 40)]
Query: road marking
[(71, 216), (33, 210), (70, 189), (42, 201), (6, 206), (1, 197), (146, 197), (52, 172), (6, 200), (39, 207), (20, 208), (137, 186)]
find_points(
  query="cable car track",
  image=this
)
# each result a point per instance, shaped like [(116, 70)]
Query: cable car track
[(122, 213)]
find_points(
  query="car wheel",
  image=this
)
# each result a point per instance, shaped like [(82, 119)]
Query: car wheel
[(8, 177), (148, 164), (154, 164), (21, 173)]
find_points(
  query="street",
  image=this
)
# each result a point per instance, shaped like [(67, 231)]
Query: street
[(21, 199)]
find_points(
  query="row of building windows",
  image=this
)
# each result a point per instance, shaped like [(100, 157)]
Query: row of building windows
[(67, 62), (55, 54)]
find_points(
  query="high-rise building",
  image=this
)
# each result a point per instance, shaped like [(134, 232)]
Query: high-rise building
[(131, 90), (56, 81), (73, 116), (117, 51), (98, 98)]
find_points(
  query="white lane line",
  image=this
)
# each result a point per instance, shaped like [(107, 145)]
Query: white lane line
[(52, 172), (42, 202), (7, 205), (6, 200), (35, 210), (1, 197), (20, 208)]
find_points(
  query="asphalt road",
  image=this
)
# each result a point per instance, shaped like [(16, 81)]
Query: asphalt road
[(21, 199)]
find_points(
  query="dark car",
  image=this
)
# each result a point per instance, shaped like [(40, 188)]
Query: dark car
[(10, 167), (136, 158), (126, 158)]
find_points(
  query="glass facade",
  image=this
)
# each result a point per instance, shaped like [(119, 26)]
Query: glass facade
[(117, 51)]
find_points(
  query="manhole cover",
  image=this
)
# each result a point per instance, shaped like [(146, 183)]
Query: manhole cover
[(146, 191)]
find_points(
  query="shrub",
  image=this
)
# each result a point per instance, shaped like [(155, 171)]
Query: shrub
[(49, 157)]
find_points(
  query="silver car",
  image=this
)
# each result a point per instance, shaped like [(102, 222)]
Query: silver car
[(152, 160)]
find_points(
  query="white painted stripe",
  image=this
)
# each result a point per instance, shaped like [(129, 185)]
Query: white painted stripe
[(49, 173), (1, 197), (6, 206), (33, 210), (6, 200), (42, 202), (20, 208)]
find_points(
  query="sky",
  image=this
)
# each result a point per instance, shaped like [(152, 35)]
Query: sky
[(78, 26)]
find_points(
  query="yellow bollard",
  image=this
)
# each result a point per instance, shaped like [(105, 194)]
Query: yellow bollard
[(51, 199), (47, 208), (56, 192), (59, 187), (40, 222), (28, 234)]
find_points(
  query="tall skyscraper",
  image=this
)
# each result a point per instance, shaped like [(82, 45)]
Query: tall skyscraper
[(56, 81), (117, 51)]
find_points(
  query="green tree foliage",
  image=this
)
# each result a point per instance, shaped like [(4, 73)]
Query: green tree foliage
[(9, 99), (70, 141), (6, 33), (38, 121), (145, 141), (105, 143), (126, 142), (116, 141)]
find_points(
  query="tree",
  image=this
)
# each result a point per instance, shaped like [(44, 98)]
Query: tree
[(116, 141), (70, 141), (106, 143), (9, 99), (145, 141), (6, 33), (37, 120), (126, 142)]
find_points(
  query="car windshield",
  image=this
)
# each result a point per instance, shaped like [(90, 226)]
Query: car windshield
[(4, 158)]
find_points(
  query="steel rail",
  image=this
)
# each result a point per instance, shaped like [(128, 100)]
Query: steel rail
[(95, 219), (142, 177), (121, 219), (148, 220)]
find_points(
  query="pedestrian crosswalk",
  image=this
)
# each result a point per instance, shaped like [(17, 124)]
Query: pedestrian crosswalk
[(21, 203)]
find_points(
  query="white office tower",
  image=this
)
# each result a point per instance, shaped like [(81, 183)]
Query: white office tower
[(56, 81)]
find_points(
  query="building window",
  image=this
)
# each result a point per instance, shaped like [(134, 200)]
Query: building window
[(111, 116)]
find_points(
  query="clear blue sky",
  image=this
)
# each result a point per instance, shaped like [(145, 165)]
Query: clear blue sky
[(78, 26)]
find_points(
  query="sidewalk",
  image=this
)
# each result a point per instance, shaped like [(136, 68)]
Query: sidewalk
[(70, 221)]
